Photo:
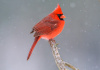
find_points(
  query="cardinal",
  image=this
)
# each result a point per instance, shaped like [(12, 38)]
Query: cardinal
[(49, 27)]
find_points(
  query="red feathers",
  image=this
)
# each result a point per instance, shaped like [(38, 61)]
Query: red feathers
[(58, 10), (49, 27)]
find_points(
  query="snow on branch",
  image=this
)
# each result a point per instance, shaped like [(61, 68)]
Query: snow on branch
[(59, 62)]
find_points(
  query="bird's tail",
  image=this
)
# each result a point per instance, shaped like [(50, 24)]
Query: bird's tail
[(35, 42)]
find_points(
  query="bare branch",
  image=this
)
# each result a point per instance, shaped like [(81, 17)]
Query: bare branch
[(59, 62)]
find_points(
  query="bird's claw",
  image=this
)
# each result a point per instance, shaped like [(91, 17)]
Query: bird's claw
[(56, 44)]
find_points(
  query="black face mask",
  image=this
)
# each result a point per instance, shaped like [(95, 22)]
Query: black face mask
[(59, 15)]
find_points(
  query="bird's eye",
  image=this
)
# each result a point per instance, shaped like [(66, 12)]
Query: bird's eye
[(59, 15)]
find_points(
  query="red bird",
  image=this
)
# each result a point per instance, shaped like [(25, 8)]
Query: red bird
[(49, 27)]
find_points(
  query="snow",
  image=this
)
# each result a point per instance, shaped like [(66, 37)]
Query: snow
[(72, 5)]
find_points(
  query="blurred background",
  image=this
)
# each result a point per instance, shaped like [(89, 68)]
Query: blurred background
[(79, 42)]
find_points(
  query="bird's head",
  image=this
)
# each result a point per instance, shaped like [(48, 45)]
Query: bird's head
[(57, 13)]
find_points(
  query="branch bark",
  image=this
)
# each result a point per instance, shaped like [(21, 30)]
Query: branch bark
[(59, 62)]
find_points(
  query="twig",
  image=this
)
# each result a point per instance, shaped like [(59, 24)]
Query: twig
[(59, 62)]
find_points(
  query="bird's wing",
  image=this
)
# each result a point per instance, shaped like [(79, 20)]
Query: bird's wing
[(45, 26)]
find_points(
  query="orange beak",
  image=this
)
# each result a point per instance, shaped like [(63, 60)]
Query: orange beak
[(62, 16)]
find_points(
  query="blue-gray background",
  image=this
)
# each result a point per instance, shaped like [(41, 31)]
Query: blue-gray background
[(79, 42)]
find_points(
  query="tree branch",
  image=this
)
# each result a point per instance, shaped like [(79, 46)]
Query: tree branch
[(59, 62)]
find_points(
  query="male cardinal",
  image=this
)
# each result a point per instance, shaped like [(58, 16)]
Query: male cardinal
[(49, 27)]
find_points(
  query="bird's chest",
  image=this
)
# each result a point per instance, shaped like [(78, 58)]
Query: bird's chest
[(55, 30)]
